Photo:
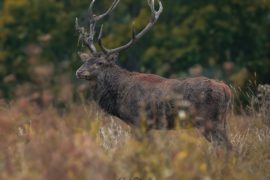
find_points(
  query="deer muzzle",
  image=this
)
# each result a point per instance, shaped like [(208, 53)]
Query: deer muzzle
[(82, 74)]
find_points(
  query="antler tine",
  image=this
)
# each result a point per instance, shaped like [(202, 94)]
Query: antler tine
[(91, 7), (105, 50), (154, 17), (83, 36), (88, 38), (109, 11)]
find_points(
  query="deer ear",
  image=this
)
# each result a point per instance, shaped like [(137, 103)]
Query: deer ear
[(112, 57), (84, 56)]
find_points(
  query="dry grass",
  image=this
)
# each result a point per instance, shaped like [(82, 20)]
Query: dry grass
[(85, 143)]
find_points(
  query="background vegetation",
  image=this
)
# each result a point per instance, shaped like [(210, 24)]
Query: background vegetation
[(228, 40), (49, 131)]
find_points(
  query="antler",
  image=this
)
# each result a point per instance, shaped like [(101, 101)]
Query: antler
[(135, 37), (88, 37)]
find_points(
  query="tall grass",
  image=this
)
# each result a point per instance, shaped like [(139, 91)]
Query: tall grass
[(85, 143)]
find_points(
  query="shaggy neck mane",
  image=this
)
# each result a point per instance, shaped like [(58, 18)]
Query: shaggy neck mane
[(107, 90)]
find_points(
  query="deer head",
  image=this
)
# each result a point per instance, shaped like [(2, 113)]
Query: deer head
[(95, 62)]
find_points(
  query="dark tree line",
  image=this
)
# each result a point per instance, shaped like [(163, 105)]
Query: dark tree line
[(209, 33)]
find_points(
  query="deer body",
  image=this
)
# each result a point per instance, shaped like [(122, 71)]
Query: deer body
[(130, 95), (155, 101)]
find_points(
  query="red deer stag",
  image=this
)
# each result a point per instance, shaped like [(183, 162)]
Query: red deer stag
[(123, 93)]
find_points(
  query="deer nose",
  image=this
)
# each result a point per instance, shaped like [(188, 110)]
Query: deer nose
[(78, 74), (82, 74)]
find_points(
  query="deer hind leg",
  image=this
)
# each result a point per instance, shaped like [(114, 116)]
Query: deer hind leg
[(215, 132), (218, 137)]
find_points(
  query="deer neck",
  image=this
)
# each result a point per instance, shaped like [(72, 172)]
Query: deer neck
[(107, 88)]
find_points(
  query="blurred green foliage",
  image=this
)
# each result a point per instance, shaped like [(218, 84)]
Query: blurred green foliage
[(210, 33)]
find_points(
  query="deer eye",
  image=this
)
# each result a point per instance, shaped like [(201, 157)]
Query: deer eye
[(100, 63)]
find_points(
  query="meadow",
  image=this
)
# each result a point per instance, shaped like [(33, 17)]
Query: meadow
[(82, 142)]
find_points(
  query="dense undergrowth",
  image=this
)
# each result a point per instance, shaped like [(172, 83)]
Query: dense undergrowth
[(84, 143)]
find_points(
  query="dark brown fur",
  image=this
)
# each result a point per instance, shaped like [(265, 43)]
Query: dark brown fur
[(134, 96)]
